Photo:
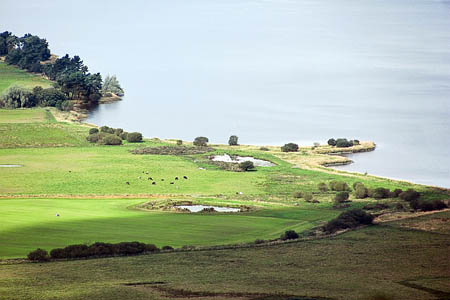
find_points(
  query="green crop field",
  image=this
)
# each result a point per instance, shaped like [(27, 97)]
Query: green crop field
[(11, 75)]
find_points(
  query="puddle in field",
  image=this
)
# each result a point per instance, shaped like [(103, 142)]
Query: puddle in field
[(238, 159), (199, 208), (11, 166)]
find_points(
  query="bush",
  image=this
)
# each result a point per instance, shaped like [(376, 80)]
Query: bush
[(380, 193), (38, 255), (375, 206), (118, 131), (111, 139), (322, 187), (427, 205), (332, 142), (341, 197), (124, 135), (289, 147), (201, 141), (167, 248), (129, 248), (259, 241), (100, 249), (107, 129), (355, 142), (18, 97), (134, 137), (246, 165), (343, 143), (289, 235), (93, 130), (179, 142), (308, 197), (233, 140), (349, 219), (297, 194), (93, 138), (264, 149), (409, 195), (151, 248), (396, 193), (339, 186), (361, 192), (356, 184), (58, 253)]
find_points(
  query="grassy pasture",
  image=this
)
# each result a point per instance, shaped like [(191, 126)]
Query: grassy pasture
[(23, 115), (31, 223), (386, 261), (11, 75)]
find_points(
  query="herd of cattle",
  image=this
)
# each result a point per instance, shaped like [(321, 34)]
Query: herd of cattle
[(154, 181)]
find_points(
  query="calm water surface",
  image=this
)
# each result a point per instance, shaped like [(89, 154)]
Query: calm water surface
[(270, 72)]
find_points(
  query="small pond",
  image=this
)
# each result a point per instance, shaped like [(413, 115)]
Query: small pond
[(238, 159), (10, 166), (198, 208)]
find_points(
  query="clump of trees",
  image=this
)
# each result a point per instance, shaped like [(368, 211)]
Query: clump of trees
[(233, 140), (19, 97), (342, 143), (112, 136), (201, 141), (348, 219), (289, 147), (97, 249), (71, 75)]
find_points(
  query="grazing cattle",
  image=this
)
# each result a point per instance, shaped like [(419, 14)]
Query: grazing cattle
[(176, 178), (150, 178), (70, 171), (162, 179), (153, 182), (146, 172), (139, 177), (57, 214), (172, 183), (127, 183), (185, 177)]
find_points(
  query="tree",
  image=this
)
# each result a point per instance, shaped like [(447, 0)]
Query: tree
[(134, 137), (17, 97), (343, 143), (289, 147), (201, 141), (332, 142), (289, 235), (112, 85), (233, 140)]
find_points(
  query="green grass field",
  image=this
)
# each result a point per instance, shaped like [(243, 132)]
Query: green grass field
[(11, 75), (388, 262)]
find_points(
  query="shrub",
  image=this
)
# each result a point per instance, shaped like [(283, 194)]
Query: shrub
[(167, 248), (339, 186), (93, 138), (233, 140), (18, 97), (409, 195), (246, 165), (361, 192), (118, 131), (38, 255), (349, 219), (100, 249), (375, 206), (107, 129), (93, 130), (355, 142), (179, 142), (356, 184), (151, 248), (124, 135), (343, 143), (134, 137), (322, 187), (396, 193), (65, 105), (129, 248), (399, 206), (427, 205), (308, 197), (264, 149), (289, 235), (380, 193), (259, 241), (289, 147), (297, 194), (332, 142), (111, 139), (341, 197), (201, 141), (58, 253)]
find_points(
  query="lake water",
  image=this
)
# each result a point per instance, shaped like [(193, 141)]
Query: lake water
[(199, 208), (269, 71)]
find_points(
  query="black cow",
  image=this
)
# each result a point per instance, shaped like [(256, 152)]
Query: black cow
[(185, 177)]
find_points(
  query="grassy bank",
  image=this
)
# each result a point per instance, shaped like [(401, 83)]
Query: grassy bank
[(10, 75)]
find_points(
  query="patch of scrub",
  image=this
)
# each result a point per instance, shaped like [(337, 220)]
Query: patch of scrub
[(199, 208), (11, 166), (238, 159)]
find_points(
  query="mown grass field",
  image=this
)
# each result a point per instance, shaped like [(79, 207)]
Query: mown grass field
[(11, 75), (388, 261)]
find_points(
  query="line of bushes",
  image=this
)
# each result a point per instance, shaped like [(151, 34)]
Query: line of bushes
[(112, 136), (342, 143), (97, 249), (348, 219)]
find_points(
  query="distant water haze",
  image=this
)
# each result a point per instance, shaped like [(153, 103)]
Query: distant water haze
[(270, 72)]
